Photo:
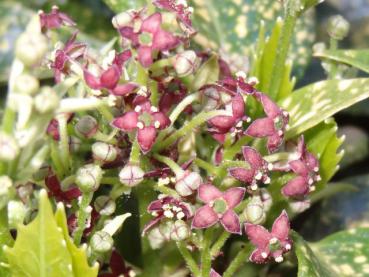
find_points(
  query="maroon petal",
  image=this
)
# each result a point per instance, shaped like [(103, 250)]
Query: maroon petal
[(296, 187), (146, 138), (260, 128), (271, 109), (281, 226), (222, 122), (258, 235), (162, 119), (299, 167), (155, 206), (274, 142), (253, 157), (127, 122), (204, 217), (219, 137), (151, 24), (145, 55), (151, 223), (311, 161), (110, 77), (231, 222), (164, 41), (71, 194), (234, 196), (91, 80), (207, 193), (256, 256), (213, 273), (238, 106), (121, 58), (124, 89), (116, 263), (242, 174)]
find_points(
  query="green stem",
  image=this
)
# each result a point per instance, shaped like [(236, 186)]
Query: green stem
[(205, 253), (105, 112), (215, 249), (83, 215), (178, 171), (237, 262), (188, 259), (167, 191), (210, 168), (278, 157), (181, 106), (134, 158), (236, 147), (64, 142), (283, 47), (106, 138), (56, 160)]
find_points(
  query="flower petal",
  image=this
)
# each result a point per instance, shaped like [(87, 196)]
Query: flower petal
[(208, 192), (155, 206), (299, 167), (296, 187), (223, 122), (260, 128), (164, 41), (242, 174), (238, 106), (126, 122), (145, 55), (231, 222), (213, 273), (116, 263), (162, 119), (253, 157), (110, 77), (258, 235), (124, 89), (204, 217), (152, 23), (281, 226), (234, 196), (256, 256), (274, 141), (91, 80), (146, 138), (271, 109)]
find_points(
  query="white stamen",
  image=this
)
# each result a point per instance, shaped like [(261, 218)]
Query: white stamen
[(166, 207), (211, 204), (285, 113), (273, 240), (253, 80), (180, 215), (276, 120), (138, 109), (312, 188), (316, 169), (157, 124), (318, 178), (267, 180), (190, 9), (279, 259), (163, 181), (168, 214), (153, 109), (173, 179), (241, 74), (311, 181), (264, 255), (154, 213), (140, 125), (288, 246), (248, 119), (280, 133), (258, 176), (254, 187), (239, 124), (270, 166)]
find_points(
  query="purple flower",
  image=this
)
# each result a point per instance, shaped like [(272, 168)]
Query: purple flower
[(167, 207), (146, 119), (54, 19), (109, 78), (55, 190), (272, 126), (118, 267), (219, 207), (258, 170), (306, 169), (270, 244), (150, 38), (70, 52)]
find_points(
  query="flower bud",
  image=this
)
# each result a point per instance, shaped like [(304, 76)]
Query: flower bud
[(47, 100), (101, 242), (266, 198), (16, 213), (9, 148), (30, 48), (186, 185), (122, 19), (88, 178), (6, 190), (180, 231), (26, 84), (156, 238), (86, 126), (104, 205), (104, 152), (338, 27), (131, 175), (300, 205), (254, 211), (185, 63)]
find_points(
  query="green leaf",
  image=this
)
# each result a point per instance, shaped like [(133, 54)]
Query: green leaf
[(342, 254), (354, 58), (80, 265), (40, 249), (123, 5), (5, 239), (208, 73), (314, 103)]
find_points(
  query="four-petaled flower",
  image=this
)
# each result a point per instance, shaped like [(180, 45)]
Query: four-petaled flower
[(167, 207), (258, 170), (109, 78), (307, 171), (270, 245), (54, 19), (273, 126), (150, 38), (146, 119), (219, 207)]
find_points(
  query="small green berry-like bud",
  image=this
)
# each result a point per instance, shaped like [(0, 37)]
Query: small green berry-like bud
[(188, 184), (16, 213), (6, 190), (26, 84), (47, 100), (180, 231), (122, 19), (254, 211), (185, 63), (338, 27), (101, 242), (104, 152), (104, 205), (9, 148), (88, 177), (156, 238), (30, 48), (86, 126), (131, 175)]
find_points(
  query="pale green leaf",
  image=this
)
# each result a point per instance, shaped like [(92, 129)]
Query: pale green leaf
[(5, 239), (80, 265), (355, 58), (40, 249), (314, 103), (208, 73)]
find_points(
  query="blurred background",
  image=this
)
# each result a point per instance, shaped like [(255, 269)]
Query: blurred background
[(340, 211)]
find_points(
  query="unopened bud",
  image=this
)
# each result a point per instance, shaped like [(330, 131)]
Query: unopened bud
[(26, 84), (9, 148), (122, 19), (104, 205), (86, 126), (266, 198), (104, 152), (88, 177), (6, 191), (338, 27), (47, 100), (156, 238), (254, 211), (131, 175), (16, 213), (185, 63), (101, 242), (188, 183), (180, 231), (300, 205), (30, 48)]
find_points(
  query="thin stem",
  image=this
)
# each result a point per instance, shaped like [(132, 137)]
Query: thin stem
[(210, 168), (105, 112), (64, 142), (167, 191), (56, 160), (134, 158), (278, 157), (106, 138), (182, 105), (215, 249), (237, 262), (236, 147), (83, 214), (188, 259), (205, 253), (178, 171)]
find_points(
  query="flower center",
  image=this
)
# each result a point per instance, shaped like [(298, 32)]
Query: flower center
[(146, 118), (145, 38), (274, 245), (278, 123), (220, 206)]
